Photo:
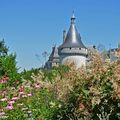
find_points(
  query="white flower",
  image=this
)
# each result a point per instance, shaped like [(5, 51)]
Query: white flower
[(3, 99), (52, 104)]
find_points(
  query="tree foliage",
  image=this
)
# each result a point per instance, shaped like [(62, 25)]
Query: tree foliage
[(3, 48), (8, 65)]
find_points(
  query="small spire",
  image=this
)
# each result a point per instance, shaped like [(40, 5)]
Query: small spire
[(73, 18), (54, 45), (64, 35)]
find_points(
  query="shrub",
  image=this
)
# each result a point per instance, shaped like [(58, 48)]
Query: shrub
[(8, 68)]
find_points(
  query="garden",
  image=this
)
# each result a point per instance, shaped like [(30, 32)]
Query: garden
[(62, 93)]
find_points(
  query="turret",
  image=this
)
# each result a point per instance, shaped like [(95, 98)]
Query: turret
[(72, 48)]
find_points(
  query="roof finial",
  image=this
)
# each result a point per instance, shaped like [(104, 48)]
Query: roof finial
[(73, 18)]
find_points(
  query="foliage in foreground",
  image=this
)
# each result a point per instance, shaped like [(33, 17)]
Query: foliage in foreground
[(63, 93)]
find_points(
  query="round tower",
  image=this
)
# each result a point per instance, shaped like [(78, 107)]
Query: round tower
[(72, 48)]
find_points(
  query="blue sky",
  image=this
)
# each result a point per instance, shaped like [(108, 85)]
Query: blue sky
[(31, 27)]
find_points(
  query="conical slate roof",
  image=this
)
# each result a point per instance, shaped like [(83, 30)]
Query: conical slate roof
[(73, 39), (54, 54)]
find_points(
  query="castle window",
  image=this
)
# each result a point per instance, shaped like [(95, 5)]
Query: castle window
[(79, 48), (70, 48)]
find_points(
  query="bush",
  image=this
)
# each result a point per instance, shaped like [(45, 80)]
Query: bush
[(8, 68)]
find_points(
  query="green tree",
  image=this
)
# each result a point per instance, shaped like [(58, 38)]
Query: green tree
[(3, 48), (8, 63), (8, 67)]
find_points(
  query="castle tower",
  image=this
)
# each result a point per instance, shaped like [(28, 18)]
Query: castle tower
[(72, 48), (53, 58)]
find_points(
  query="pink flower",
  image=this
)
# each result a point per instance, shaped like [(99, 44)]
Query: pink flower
[(29, 94), (3, 81), (10, 107), (3, 93), (6, 78), (21, 93), (3, 99), (2, 113), (37, 86), (15, 98), (11, 102)]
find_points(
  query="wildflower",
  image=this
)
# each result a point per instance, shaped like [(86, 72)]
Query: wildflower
[(27, 86), (10, 107), (24, 96), (11, 102), (3, 99), (12, 88), (21, 89), (29, 94), (3, 93), (20, 93), (19, 104), (3, 81), (29, 112), (24, 109), (59, 106), (37, 86), (2, 113), (6, 78), (52, 104), (15, 98)]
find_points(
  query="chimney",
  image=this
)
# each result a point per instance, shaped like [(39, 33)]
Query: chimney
[(64, 35)]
